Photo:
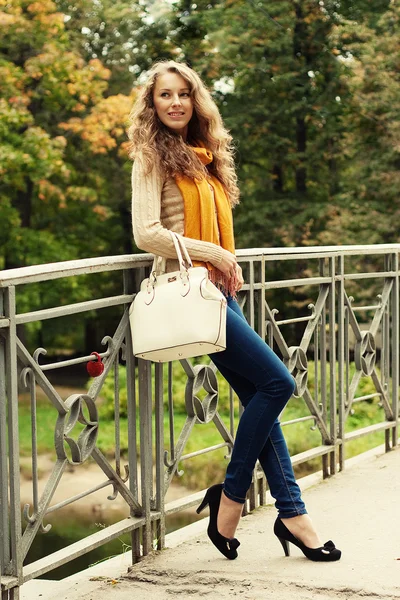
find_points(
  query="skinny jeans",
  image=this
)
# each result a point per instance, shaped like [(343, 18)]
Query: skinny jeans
[(263, 385)]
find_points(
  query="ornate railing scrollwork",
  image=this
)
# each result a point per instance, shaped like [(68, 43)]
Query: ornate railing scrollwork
[(204, 377), (298, 366), (82, 448), (365, 353)]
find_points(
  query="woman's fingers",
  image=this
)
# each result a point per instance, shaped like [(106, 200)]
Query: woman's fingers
[(228, 264), (231, 269), (239, 275)]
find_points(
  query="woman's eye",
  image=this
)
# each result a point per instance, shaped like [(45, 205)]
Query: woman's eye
[(164, 94), (186, 94)]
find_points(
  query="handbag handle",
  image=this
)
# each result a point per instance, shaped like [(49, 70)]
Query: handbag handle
[(179, 245)]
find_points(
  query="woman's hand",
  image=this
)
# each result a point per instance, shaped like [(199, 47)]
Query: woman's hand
[(228, 264), (239, 277), (231, 269)]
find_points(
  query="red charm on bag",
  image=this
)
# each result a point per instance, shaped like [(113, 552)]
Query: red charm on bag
[(95, 368)]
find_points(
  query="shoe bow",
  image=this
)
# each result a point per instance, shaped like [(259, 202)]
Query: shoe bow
[(329, 546), (233, 544)]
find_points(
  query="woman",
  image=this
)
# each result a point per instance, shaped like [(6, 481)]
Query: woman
[(183, 179)]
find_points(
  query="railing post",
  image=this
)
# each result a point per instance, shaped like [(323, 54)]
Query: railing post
[(341, 362), (262, 332), (12, 531), (130, 286), (4, 526), (159, 525), (395, 347), (253, 491), (332, 363), (323, 360), (145, 416), (387, 354)]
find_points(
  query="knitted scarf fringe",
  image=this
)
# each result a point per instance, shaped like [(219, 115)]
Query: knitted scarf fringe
[(227, 285)]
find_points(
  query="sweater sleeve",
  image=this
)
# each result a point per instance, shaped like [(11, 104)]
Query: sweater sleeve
[(149, 233)]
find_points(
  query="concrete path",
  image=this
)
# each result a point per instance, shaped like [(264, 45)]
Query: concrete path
[(358, 509)]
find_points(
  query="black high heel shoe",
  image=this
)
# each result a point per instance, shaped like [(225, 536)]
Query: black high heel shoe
[(327, 552), (225, 545)]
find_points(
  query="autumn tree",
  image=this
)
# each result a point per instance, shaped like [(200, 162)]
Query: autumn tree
[(60, 136), (308, 89)]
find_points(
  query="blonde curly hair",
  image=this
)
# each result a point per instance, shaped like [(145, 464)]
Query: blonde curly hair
[(155, 142)]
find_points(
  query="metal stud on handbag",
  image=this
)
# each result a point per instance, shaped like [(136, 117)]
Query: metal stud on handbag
[(178, 315)]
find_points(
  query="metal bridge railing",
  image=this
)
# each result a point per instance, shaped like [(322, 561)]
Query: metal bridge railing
[(349, 331)]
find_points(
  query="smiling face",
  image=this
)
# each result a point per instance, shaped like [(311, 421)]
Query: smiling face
[(173, 102)]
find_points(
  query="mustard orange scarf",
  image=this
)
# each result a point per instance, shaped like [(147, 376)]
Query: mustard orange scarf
[(208, 216)]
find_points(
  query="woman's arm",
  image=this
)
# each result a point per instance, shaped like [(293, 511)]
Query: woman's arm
[(149, 233)]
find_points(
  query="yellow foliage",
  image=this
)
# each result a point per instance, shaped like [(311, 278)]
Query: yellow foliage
[(53, 22), (42, 7), (7, 19), (79, 107), (101, 211), (60, 141), (104, 125), (19, 101), (124, 149), (48, 191), (97, 66)]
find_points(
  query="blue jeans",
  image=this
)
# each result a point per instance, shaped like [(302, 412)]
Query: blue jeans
[(264, 385)]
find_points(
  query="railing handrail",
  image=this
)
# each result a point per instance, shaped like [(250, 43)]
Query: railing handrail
[(69, 268), (321, 250)]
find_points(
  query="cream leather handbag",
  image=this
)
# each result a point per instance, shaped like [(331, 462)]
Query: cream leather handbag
[(178, 315)]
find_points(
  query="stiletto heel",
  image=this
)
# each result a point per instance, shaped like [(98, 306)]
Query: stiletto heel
[(285, 546), (203, 504), (327, 552), (225, 545)]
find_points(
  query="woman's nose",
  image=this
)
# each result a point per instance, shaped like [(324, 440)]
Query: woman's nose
[(176, 101)]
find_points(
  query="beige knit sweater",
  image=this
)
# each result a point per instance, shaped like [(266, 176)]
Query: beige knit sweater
[(157, 205)]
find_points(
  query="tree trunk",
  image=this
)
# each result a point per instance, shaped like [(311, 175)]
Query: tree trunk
[(277, 173), (126, 221), (300, 54), (301, 139), (23, 204), (333, 170)]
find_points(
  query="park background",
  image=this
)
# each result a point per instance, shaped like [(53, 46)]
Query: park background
[(310, 92)]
